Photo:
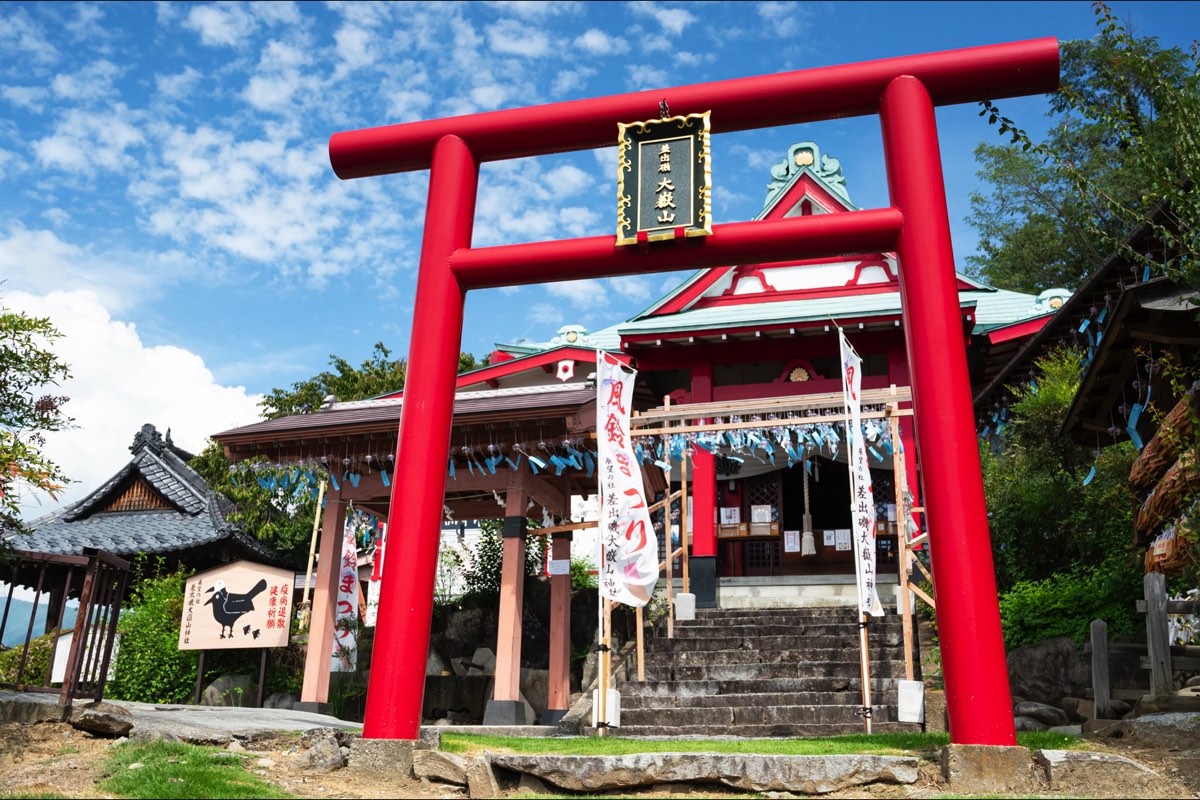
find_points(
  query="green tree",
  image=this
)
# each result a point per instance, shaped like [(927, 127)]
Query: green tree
[(1044, 520), (281, 518), (379, 374), (28, 410), (1124, 144)]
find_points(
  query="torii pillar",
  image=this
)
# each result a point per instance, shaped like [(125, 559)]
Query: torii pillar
[(904, 92)]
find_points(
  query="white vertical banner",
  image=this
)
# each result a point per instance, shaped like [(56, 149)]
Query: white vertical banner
[(628, 545), (862, 496), (344, 657)]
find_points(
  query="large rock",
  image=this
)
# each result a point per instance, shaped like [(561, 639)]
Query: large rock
[(1095, 774), (1048, 715), (1173, 729), (800, 774), (324, 752), (1048, 671), (484, 662), (102, 719), (1078, 709), (1024, 724), (442, 767), (481, 781), (285, 700), (435, 664), (535, 688), (976, 768), (382, 755), (230, 690)]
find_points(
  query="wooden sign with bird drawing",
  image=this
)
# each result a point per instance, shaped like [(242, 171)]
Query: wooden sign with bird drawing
[(236, 605)]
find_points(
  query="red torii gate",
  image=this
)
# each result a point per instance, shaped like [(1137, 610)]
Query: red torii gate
[(903, 91)]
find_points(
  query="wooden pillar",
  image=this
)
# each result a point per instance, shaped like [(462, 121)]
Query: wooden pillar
[(506, 707), (315, 691), (559, 693)]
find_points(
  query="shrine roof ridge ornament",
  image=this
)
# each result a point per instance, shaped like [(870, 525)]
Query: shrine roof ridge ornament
[(989, 72)]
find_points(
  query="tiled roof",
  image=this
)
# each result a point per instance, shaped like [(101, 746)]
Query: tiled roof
[(199, 517)]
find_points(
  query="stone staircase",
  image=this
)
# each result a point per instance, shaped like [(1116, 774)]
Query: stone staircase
[(765, 673)]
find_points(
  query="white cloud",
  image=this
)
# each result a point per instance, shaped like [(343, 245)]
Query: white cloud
[(567, 180), (538, 9), (671, 20), (224, 25), (20, 34), (784, 19), (406, 105), (117, 384), (645, 76), (586, 293), (489, 97), (570, 80), (547, 314), (38, 261), (599, 43), (354, 46), (93, 82), (29, 97), (514, 38), (633, 287), (179, 85), (84, 141)]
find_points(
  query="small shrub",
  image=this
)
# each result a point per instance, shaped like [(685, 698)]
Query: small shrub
[(581, 575), (150, 666), (36, 664), (1066, 603)]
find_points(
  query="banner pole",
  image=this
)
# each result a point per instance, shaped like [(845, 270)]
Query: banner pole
[(683, 518), (900, 484), (305, 606), (641, 647), (865, 670)]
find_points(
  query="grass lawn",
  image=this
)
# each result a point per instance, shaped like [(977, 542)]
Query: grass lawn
[(891, 744), (173, 769)]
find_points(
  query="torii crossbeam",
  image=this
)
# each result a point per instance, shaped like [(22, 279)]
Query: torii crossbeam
[(904, 92)]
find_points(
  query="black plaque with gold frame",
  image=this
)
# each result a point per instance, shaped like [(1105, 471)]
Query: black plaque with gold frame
[(664, 179)]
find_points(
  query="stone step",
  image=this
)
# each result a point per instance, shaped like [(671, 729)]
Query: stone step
[(687, 658), (741, 672), (630, 700), (779, 627), (685, 689), (777, 731), (774, 637), (805, 612), (753, 715)]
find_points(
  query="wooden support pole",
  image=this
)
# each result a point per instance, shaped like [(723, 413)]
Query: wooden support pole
[(320, 633), (1158, 638), (902, 555), (558, 696), (603, 663), (512, 599), (1100, 683)]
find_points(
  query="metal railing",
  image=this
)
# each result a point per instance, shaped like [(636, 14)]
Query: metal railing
[(102, 579)]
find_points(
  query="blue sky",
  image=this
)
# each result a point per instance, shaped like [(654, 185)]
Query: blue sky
[(166, 196)]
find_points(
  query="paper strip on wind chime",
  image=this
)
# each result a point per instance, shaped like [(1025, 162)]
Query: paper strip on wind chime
[(628, 545), (862, 496)]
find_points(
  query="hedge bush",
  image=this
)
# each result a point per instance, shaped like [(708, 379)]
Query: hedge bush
[(150, 666)]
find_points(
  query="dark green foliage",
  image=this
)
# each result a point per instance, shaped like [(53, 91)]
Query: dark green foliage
[(280, 518), (27, 410), (1066, 603), (581, 575), (482, 574), (150, 666), (1124, 141), (1063, 551), (37, 663)]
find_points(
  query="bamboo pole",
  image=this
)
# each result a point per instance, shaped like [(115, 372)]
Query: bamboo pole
[(641, 647), (900, 485), (683, 519), (667, 548), (865, 671), (305, 605), (604, 664)]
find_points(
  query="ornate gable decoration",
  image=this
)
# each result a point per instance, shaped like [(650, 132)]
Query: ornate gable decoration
[(801, 157)]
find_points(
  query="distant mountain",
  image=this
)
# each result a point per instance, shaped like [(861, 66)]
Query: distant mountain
[(18, 621)]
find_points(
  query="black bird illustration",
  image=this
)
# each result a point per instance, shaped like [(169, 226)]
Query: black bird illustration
[(257, 631), (227, 608), (246, 630)]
